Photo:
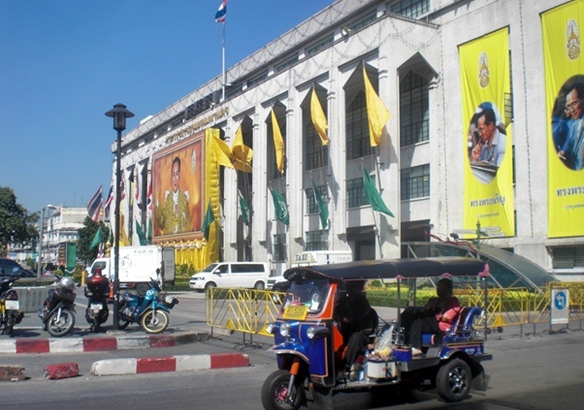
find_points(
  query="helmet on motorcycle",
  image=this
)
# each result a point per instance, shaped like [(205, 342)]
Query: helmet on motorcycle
[(67, 283), (97, 272)]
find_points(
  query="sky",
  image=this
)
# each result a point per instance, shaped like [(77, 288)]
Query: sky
[(64, 63)]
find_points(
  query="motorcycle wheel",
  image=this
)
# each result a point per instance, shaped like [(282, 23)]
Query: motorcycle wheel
[(122, 321), (275, 391), (155, 322), (60, 326)]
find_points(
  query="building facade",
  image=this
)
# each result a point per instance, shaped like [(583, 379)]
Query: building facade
[(439, 67)]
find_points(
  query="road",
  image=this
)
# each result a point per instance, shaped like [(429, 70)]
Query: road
[(536, 372)]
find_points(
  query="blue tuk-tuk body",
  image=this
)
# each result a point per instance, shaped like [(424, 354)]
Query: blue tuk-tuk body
[(309, 345)]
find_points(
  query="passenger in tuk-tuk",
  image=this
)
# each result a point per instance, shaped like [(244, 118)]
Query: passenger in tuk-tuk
[(357, 321), (435, 317)]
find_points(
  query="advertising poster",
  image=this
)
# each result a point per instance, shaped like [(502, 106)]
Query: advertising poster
[(178, 190), (564, 82), (488, 157)]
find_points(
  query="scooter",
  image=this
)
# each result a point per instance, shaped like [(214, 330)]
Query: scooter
[(97, 292), (9, 306), (151, 311), (58, 312)]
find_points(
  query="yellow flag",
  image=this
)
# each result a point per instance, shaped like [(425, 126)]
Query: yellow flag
[(318, 118), (241, 153), (124, 241), (278, 143), (377, 114), (222, 152)]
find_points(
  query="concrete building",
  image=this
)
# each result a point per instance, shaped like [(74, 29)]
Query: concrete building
[(414, 54), (61, 225)]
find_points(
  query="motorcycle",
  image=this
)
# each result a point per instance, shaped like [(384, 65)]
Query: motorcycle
[(58, 313), (151, 311), (9, 306), (97, 293)]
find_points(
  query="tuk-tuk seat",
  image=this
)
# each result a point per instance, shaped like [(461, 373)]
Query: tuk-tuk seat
[(460, 329)]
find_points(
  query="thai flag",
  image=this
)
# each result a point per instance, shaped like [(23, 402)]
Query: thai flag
[(221, 12), (94, 206)]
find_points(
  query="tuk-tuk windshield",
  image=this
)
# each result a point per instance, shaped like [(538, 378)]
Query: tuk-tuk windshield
[(311, 293)]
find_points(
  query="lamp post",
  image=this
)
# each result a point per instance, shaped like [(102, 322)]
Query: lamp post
[(119, 113), (41, 234)]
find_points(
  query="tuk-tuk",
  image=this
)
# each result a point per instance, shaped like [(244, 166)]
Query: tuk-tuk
[(309, 344)]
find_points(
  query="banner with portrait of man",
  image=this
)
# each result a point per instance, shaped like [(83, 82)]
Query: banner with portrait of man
[(564, 85), (178, 190), (488, 157)]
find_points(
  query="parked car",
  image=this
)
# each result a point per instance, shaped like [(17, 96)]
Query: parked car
[(7, 269)]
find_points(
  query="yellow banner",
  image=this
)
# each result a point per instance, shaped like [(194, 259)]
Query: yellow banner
[(488, 157), (564, 82), (212, 192)]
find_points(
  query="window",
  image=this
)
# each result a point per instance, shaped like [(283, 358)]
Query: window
[(568, 257), (415, 182), (414, 111), (358, 144), (316, 154), (411, 8), (247, 268), (311, 205), (319, 46), (316, 240), (355, 193), (280, 247), (286, 64)]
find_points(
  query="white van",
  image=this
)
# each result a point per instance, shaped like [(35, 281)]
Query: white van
[(231, 275), (308, 258)]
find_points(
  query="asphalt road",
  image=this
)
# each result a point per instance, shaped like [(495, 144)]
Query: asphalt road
[(543, 371)]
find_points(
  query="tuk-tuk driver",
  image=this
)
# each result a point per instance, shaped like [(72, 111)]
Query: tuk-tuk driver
[(357, 321)]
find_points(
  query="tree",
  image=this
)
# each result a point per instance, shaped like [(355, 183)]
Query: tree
[(17, 225), (86, 235)]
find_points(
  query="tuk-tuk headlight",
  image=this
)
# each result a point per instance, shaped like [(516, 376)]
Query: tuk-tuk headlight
[(317, 332), (285, 329), (270, 328)]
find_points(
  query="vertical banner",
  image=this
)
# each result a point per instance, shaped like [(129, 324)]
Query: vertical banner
[(564, 85), (488, 162)]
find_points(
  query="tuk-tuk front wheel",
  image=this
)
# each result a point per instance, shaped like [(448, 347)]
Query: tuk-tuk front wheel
[(275, 394), (454, 380)]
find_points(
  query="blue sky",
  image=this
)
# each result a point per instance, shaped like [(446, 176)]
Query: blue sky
[(64, 63)]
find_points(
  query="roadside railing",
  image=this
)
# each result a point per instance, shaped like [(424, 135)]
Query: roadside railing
[(249, 311)]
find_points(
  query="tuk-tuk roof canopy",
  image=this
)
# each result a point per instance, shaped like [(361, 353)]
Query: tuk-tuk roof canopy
[(394, 269)]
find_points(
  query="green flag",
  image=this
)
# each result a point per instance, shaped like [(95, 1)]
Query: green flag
[(141, 236), (97, 238), (373, 196), (149, 233), (244, 209), (209, 219), (322, 208), (280, 207)]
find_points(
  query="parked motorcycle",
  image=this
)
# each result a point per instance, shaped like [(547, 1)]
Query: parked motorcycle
[(97, 293), (58, 313), (151, 311), (9, 305)]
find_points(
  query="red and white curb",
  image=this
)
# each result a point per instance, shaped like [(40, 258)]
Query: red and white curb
[(95, 344), (116, 367)]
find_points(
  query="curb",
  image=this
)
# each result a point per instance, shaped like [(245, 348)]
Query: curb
[(95, 344), (116, 367)]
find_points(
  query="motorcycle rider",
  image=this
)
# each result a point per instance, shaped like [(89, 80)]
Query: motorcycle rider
[(96, 291)]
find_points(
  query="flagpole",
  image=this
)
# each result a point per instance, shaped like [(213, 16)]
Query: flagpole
[(223, 65)]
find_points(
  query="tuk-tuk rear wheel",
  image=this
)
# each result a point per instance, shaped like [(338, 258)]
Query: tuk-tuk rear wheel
[(454, 380), (275, 391)]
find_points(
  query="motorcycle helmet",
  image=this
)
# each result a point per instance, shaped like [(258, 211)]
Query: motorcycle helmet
[(97, 272), (67, 283)]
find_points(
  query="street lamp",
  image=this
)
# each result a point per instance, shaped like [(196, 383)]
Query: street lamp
[(119, 113), (40, 258)]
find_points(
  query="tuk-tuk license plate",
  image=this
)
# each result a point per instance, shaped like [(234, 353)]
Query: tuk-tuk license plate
[(295, 312), (95, 306), (11, 304)]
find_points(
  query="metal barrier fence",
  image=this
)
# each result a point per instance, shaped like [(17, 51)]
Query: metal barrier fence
[(249, 311), (242, 310)]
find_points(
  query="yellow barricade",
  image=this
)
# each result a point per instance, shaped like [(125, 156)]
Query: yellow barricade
[(242, 310)]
